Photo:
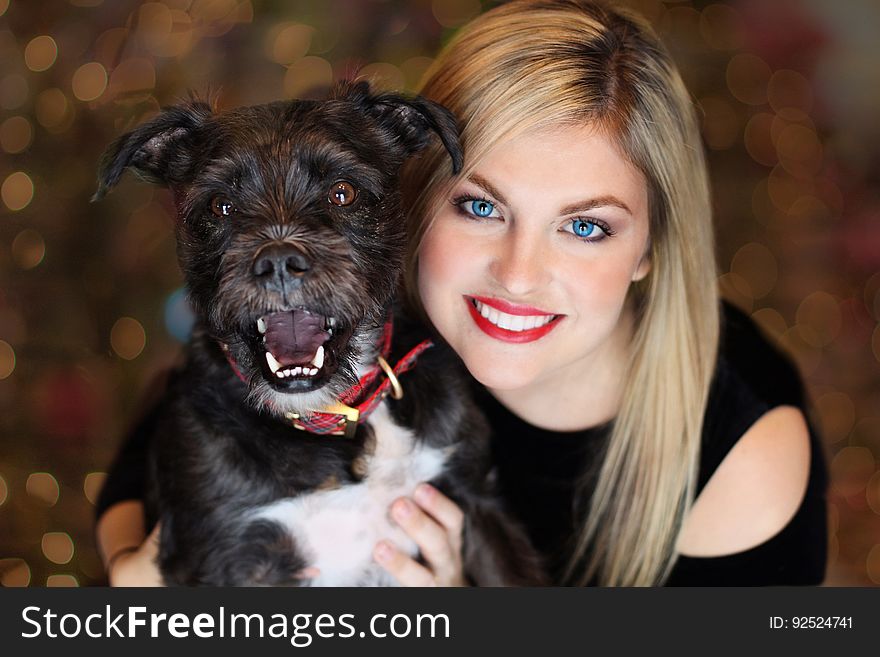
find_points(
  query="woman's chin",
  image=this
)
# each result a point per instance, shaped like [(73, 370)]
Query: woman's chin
[(498, 375)]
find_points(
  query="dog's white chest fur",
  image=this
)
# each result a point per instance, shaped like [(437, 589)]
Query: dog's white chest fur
[(336, 530)]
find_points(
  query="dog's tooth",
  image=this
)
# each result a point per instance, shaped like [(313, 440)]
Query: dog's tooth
[(279, 374), (295, 371), (261, 325), (288, 372), (332, 322), (318, 360), (274, 365), (313, 371)]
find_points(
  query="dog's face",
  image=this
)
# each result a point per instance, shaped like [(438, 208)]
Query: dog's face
[(290, 232)]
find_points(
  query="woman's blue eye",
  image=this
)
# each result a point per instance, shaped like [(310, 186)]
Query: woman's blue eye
[(583, 228), (482, 208)]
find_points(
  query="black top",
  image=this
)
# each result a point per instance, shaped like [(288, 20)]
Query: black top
[(538, 468)]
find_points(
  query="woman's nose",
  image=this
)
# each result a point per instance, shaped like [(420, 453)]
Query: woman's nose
[(519, 263)]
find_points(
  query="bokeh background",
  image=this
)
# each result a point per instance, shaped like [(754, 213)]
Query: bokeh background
[(91, 306)]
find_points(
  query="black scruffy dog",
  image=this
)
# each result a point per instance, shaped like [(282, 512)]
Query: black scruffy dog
[(291, 237)]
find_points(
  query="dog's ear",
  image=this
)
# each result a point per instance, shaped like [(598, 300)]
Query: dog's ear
[(159, 151), (411, 119)]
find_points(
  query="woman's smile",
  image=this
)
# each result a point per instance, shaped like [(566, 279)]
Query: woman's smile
[(510, 322)]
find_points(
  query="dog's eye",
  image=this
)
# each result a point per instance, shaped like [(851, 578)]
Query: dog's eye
[(222, 207), (342, 193)]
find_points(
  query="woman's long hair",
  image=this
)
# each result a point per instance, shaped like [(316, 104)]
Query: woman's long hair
[(528, 65)]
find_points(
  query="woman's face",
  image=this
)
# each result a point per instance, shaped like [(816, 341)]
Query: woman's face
[(526, 268)]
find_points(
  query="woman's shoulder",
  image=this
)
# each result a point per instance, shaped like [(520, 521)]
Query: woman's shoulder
[(752, 376), (759, 509)]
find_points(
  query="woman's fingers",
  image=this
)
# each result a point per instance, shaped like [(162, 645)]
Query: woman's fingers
[(434, 523), (402, 567), (446, 512), (433, 540)]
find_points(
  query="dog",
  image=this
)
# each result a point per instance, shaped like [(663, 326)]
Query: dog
[(308, 401)]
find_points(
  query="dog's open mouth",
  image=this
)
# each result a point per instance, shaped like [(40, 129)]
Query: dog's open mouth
[(298, 347)]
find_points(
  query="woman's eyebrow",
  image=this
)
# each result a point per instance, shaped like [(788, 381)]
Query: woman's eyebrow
[(487, 187), (591, 204)]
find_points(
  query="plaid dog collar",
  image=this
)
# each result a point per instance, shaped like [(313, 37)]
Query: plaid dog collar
[(355, 404)]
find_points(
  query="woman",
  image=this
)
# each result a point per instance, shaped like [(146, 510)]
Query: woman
[(571, 267)]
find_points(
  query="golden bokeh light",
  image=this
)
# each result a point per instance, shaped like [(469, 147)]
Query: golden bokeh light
[(721, 124), (758, 141), (789, 89), (44, 487), (17, 190), (4, 490), (92, 485), (771, 322), (7, 360), (28, 249), (821, 312), (4, 5), (16, 134), (128, 338), (872, 492), (866, 432), (757, 265), (383, 76), (872, 564), (453, 13), (783, 190), (307, 75), (289, 42), (833, 518), (134, 75), (747, 78), (14, 573), (851, 469), (736, 289), (216, 17), (414, 70), (53, 110), (721, 27), (62, 581), (40, 53), (800, 151), (182, 37), (57, 547), (837, 413), (89, 81), (154, 25)]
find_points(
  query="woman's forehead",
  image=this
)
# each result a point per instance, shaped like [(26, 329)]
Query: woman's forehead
[(562, 162)]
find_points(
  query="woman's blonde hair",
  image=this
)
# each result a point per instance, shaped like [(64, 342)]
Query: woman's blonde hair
[(527, 65)]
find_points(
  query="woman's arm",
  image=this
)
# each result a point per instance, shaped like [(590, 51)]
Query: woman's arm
[(129, 555)]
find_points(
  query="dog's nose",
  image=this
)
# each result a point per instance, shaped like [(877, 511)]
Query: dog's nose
[(280, 266)]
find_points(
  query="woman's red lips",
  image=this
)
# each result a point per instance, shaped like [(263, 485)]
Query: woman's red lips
[(517, 337), (511, 308)]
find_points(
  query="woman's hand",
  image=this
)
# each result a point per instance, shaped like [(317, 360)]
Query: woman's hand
[(435, 523), (136, 565)]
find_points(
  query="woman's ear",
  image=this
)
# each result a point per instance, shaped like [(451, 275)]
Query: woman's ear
[(644, 267)]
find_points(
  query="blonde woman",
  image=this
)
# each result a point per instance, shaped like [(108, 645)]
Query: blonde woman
[(643, 433)]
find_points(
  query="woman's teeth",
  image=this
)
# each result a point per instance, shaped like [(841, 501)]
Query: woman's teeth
[(511, 322)]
